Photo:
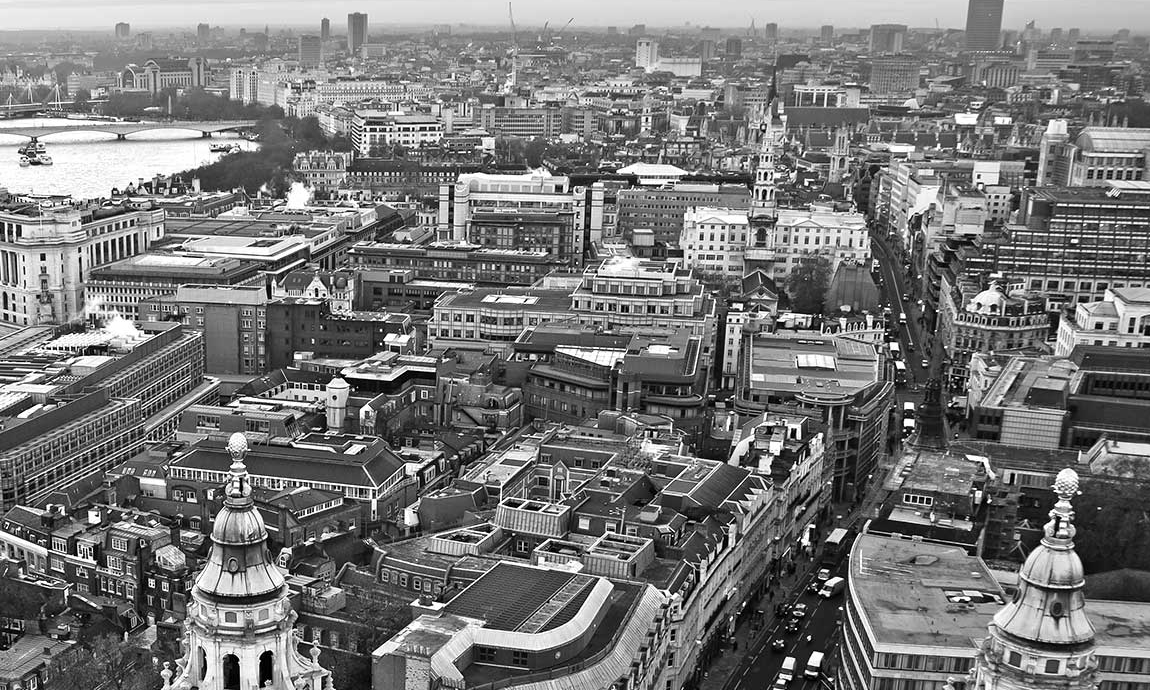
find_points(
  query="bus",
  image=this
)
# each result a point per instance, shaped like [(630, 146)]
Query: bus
[(895, 350), (836, 545), (900, 373)]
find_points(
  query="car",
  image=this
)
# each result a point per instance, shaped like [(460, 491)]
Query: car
[(824, 575), (792, 627), (925, 363), (813, 588), (799, 611), (778, 644)]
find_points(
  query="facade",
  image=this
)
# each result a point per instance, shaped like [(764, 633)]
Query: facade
[(647, 54), (356, 32), (1096, 157), (310, 51), (798, 235), (984, 25), (457, 262), (1120, 319), (374, 133), (894, 74), (164, 73), (297, 325), (662, 209), (1075, 243), (243, 84), (887, 38), (240, 624), (990, 320), (713, 241), (323, 171), (835, 380), (48, 250), (232, 319), (121, 286), (525, 123)]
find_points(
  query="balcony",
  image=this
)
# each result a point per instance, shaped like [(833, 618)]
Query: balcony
[(760, 254)]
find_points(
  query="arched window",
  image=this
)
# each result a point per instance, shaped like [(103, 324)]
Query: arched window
[(266, 667), (231, 672), (203, 664)]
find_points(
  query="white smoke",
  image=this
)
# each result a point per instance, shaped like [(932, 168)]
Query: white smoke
[(298, 196), (119, 326)]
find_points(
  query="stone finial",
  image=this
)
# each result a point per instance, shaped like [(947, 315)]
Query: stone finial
[(166, 674), (1061, 525), (314, 652), (237, 447)]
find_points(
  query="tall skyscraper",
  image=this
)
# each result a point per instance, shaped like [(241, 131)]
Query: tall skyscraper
[(827, 34), (325, 29), (984, 25), (310, 51), (772, 32), (203, 33), (123, 30), (887, 38), (647, 54), (356, 31)]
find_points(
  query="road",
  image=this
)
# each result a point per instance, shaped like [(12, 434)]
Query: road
[(894, 289), (760, 666)]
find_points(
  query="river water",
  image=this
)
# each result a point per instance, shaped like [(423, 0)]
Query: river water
[(89, 164)]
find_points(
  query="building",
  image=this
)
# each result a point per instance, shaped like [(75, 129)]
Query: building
[(325, 30), (356, 32), (164, 73), (662, 209), (243, 84), (887, 38), (298, 325), (647, 54), (837, 381), (203, 33), (48, 249), (1120, 319), (1052, 402), (231, 317), (457, 262), (894, 74), (714, 241), (984, 25), (123, 31), (1075, 243), (798, 235), (376, 133), (310, 51), (240, 624), (119, 287), (987, 320), (463, 205), (1096, 157), (827, 34), (771, 32), (521, 122), (323, 171)]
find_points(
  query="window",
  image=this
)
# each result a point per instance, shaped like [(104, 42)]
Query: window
[(56, 563), (518, 657), (1014, 659), (1052, 666), (917, 500), (584, 523), (484, 655), (115, 565), (119, 544)]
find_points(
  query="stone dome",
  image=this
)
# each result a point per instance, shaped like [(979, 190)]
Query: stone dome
[(989, 301)]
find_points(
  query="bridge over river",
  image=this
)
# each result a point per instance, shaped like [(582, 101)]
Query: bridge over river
[(123, 129)]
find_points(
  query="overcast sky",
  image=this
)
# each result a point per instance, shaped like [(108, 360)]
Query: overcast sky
[(48, 14)]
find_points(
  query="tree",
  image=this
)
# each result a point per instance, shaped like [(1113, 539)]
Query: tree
[(534, 151), (1113, 525), (106, 663), (382, 621), (19, 600), (80, 100), (808, 285)]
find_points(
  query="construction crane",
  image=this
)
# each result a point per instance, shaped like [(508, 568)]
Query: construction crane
[(514, 31), (560, 32)]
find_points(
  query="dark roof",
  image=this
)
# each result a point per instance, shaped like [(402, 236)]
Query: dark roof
[(542, 600), (371, 467), (825, 117)]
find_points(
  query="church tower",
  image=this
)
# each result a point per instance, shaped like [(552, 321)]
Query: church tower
[(840, 154), (240, 632), (1043, 637), (759, 252)]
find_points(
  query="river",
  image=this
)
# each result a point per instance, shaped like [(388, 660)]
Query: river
[(90, 164)]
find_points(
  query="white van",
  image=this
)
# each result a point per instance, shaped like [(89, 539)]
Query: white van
[(787, 672), (814, 665), (907, 427), (832, 587), (908, 410)]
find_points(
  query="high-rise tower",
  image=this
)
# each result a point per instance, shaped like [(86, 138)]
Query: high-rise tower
[(356, 31), (1043, 637), (240, 632), (325, 29), (984, 25)]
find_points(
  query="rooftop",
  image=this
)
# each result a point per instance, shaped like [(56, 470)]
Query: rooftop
[(922, 594), (543, 600), (799, 364)]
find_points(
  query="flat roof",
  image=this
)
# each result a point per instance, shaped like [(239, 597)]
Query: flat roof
[(912, 593), (808, 363), (542, 600)]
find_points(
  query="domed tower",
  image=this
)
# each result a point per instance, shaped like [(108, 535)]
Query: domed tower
[(240, 632), (1043, 638)]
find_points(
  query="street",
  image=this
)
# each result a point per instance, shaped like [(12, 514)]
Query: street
[(894, 290), (760, 665)]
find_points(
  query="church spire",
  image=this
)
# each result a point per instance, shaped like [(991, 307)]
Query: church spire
[(1044, 630), (763, 204)]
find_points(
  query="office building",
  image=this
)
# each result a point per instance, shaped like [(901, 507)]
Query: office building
[(827, 34), (647, 54), (734, 48), (325, 30), (243, 84), (48, 249), (123, 31), (984, 25), (835, 380), (894, 74), (456, 262), (887, 38), (310, 51), (798, 235), (299, 325), (525, 123), (771, 32), (376, 133), (231, 317), (714, 240), (356, 32), (661, 210), (1120, 319), (1075, 243), (1095, 158), (240, 628), (163, 73), (203, 34)]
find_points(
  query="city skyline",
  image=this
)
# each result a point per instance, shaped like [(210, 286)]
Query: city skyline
[(1110, 14)]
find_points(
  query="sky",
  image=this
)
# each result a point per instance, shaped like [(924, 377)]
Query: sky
[(89, 14)]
